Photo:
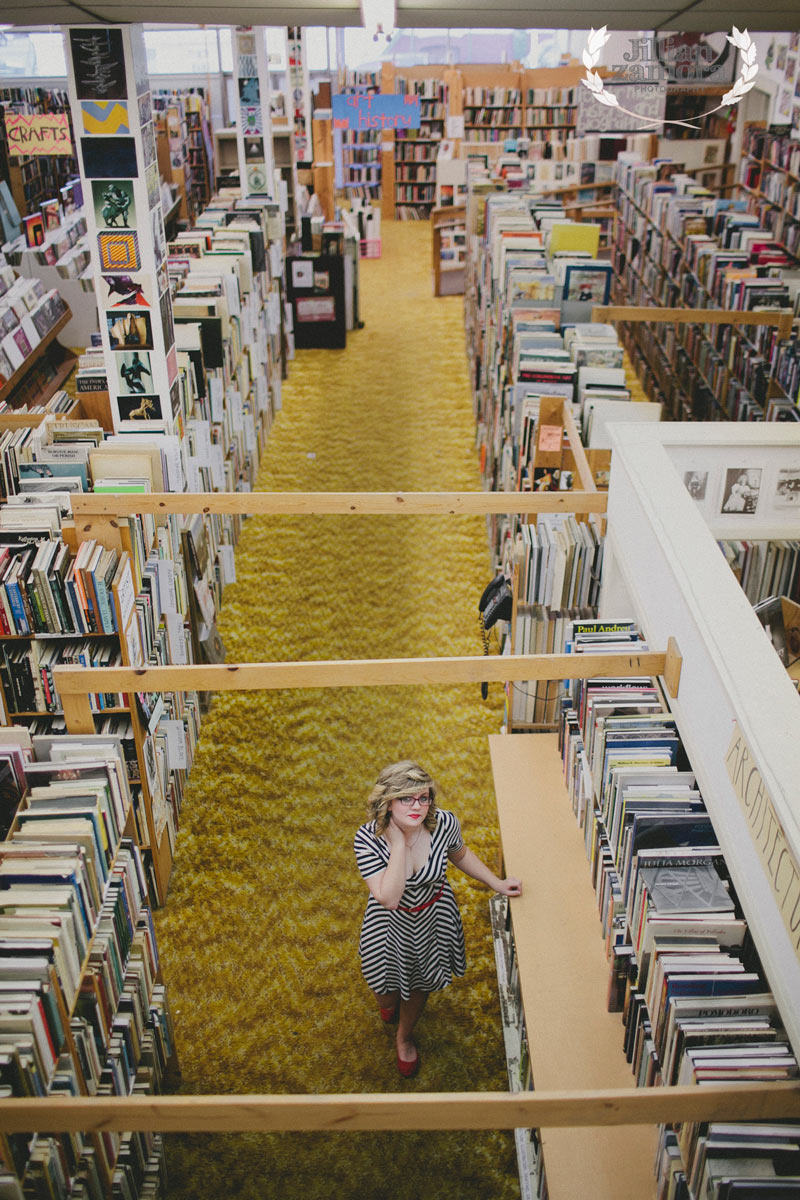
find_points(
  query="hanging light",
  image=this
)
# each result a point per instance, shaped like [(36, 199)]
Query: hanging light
[(379, 18)]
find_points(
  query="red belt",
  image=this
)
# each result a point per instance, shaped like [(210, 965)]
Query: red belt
[(419, 907)]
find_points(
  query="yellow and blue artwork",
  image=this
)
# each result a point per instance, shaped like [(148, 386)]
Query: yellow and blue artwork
[(105, 117)]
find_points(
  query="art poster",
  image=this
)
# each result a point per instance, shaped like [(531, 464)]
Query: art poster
[(172, 365), (145, 108), (254, 149), (148, 144), (246, 43), (167, 325), (98, 61), (134, 373), (114, 206), (109, 157), (249, 92), (127, 291), (256, 177), (741, 491), (159, 236), (140, 408), (105, 117), (153, 185), (139, 54), (175, 400), (119, 251), (129, 328), (247, 65), (251, 119)]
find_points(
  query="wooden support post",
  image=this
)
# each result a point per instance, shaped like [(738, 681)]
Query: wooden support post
[(78, 712), (672, 667)]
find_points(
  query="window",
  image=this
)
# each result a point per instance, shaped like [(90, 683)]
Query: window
[(181, 51), (32, 55)]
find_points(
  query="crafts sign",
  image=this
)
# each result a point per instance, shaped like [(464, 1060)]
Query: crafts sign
[(375, 112), (38, 133)]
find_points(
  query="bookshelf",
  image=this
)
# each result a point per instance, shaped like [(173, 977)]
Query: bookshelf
[(43, 371), (104, 1010), (415, 149), (36, 178), (449, 249), (661, 563), (769, 175), (698, 373), (185, 147), (573, 1041)]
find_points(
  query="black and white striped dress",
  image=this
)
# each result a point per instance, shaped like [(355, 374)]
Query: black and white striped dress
[(402, 949)]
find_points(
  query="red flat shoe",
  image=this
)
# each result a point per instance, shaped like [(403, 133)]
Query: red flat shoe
[(389, 1014), (409, 1069)]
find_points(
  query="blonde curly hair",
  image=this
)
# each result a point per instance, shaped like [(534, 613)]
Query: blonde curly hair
[(404, 778)]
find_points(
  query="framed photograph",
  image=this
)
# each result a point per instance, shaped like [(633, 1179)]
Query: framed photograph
[(249, 93), (134, 373), (787, 488), (254, 149), (129, 329), (741, 491), (114, 206), (98, 60), (105, 117), (139, 408), (696, 483), (587, 282), (109, 157)]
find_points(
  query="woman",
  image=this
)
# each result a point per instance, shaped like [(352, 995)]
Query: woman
[(412, 940)]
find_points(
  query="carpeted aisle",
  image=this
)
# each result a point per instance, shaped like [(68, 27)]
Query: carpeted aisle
[(259, 936)]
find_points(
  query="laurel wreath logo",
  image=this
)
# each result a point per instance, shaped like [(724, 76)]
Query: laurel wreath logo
[(746, 78)]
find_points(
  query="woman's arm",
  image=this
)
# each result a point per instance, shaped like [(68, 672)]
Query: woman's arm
[(388, 886), (471, 865)]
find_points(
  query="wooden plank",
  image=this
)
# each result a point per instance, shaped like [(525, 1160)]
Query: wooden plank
[(582, 468), (324, 503), (78, 712), (574, 1041), (672, 668), (405, 1111), (365, 672), (781, 318)]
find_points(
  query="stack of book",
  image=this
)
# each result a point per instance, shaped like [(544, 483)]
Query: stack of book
[(81, 1010)]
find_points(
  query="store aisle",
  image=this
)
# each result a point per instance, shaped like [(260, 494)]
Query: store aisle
[(259, 936)]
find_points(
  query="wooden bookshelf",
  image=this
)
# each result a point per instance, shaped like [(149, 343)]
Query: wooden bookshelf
[(574, 1042), (60, 362)]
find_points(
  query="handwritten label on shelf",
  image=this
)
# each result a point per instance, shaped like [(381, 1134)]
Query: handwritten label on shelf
[(769, 839), (177, 757), (126, 594)]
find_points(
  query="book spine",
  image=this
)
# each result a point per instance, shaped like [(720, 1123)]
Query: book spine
[(17, 608), (105, 611)]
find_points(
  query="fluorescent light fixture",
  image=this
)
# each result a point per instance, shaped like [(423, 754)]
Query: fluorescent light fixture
[(379, 18)]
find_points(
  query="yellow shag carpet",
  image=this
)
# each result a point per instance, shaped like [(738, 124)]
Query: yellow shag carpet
[(259, 936)]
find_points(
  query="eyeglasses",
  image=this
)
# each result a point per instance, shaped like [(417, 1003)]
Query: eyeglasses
[(423, 799)]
